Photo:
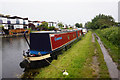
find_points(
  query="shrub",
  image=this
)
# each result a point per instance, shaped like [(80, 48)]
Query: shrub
[(111, 34)]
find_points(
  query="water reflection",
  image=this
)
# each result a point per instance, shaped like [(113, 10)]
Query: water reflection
[(12, 49), (0, 57), (12, 55), (35, 68)]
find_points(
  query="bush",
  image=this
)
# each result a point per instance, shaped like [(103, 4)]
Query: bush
[(52, 28), (111, 34)]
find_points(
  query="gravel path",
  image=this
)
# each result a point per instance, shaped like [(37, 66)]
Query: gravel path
[(112, 67)]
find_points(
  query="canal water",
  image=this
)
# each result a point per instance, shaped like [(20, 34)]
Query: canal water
[(12, 49)]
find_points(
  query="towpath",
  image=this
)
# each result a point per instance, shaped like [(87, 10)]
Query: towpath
[(112, 67), (95, 63)]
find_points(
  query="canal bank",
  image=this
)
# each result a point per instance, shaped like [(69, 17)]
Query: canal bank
[(77, 61), (112, 67)]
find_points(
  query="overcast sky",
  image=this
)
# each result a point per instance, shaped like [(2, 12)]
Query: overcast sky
[(66, 11)]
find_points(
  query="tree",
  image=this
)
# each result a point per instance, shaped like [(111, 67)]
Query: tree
[(101, 21), (88, 25), (60, 24), (78, 25), (31, 25), (44, 26)]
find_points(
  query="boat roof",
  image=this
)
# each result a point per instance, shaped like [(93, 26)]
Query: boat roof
[(52, 32), (45, 31)]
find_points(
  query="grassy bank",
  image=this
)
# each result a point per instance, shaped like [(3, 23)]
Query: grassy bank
[(77, 61), (72, 60), (112, 48)]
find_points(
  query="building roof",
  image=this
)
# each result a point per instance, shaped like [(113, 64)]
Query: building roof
[(14, 17)]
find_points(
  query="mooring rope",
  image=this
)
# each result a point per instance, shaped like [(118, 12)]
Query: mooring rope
[(54, 65), (63, 71)]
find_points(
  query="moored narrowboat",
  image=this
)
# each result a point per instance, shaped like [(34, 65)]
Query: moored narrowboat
[(45, 44)]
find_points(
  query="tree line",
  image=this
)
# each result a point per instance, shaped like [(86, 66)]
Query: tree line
[(101, 21)]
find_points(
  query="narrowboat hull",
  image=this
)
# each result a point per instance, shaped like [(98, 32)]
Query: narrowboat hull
[(45, 45)]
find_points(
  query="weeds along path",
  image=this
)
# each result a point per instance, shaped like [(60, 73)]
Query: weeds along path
[(112, 67), (99, 66), (112, 48)]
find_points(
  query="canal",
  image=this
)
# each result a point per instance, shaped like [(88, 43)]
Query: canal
[(12, 49)]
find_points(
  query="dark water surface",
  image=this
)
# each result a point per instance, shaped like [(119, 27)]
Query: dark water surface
[(12, 49)]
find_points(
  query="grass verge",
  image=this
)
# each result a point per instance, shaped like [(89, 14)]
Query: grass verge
[(73, 61), (112, 49)]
